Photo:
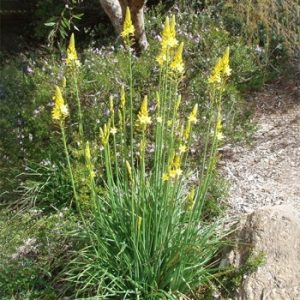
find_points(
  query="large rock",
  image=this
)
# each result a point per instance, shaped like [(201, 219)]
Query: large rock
[(274, 231)]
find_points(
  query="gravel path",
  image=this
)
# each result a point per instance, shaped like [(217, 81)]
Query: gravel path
[(268, 172)]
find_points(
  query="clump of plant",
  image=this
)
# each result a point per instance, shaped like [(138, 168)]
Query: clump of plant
[(143, 211)]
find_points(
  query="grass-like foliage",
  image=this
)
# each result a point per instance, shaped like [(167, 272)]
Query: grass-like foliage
[(274, 25), (143, 212)]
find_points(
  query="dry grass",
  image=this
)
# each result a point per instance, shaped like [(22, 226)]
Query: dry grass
[(265, 19)]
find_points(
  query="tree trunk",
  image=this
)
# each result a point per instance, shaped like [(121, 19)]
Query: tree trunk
[(115, 9)]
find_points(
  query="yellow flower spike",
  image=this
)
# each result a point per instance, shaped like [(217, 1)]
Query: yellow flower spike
[(177, 64), (169, 34), (122, 97), (174, 168), (221, 69), (111, 104), (193, 115), (105, 133), (219, 127), (168, 41), (187, 130), (72, 57), (215, 76), (166, 33), (173, 29), (128, 28), (60, 110), (190, 201), (87, 152), (143, 117), (176, 162), (225, 62), (129, 170), (162, 57), (157, 100)]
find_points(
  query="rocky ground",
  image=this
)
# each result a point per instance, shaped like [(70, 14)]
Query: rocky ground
[(268, 172)]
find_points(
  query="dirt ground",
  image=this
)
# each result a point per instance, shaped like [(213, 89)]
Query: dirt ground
[(268, 172)]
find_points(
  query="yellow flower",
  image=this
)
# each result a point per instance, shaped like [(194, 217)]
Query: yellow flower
[(72, 57), (225, 60), (129, 170), (122, 97), (172, 173), (128, 28), (175, 173), (87, 152), (182, 148), (177, 64), (190, 201), (174, 169), (159, 120), (169, 34), (221, 69), (165, 177), (215, 76), (168, 40), (176, 162), (104, 133), (157, 100), (192, 119), (219, 127), (143, 117), (193, 115), (187, 130), (60, 110), (162, 57), (111, 104), (113, 130), (173, 32)]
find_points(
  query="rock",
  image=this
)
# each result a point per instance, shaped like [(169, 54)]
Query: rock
[(275, 231)]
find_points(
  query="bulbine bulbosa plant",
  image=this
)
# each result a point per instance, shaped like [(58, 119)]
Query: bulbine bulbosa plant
[(146, 236)]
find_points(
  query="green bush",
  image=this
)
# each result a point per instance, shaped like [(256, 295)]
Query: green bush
[(33, 250)]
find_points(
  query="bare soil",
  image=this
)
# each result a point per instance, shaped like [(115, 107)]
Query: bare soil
[(268, 172)]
